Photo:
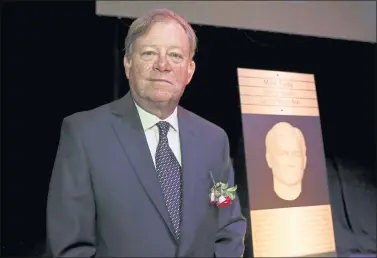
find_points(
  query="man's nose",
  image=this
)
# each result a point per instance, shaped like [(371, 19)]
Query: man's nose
[(162, 64), (292, 160)]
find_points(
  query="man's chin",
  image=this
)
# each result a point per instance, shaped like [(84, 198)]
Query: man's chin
[(162, 97), (290, 182), (293, 182), (161, 100)]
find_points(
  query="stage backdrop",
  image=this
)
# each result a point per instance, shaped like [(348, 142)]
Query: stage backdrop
[(350, 20)]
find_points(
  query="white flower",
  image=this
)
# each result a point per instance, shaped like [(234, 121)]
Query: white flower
[(212, 197), (222, 199)]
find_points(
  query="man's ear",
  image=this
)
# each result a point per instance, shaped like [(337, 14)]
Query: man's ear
[(127, 65), (191, 70), (269, 159), (304, 162)]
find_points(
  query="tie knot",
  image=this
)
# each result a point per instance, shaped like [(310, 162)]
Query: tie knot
[(163, 128)]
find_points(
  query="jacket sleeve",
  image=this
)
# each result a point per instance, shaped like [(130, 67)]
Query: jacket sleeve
[(232, 224), (70, 204)]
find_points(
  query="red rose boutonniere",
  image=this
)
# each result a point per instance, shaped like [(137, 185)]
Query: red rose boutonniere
[(221, 194)]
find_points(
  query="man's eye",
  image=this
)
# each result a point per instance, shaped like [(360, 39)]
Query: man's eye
[(176, 55), (148, 53), (297, 154), (283, 153)]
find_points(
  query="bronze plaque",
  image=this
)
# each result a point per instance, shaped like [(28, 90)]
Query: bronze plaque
[(286, 169)]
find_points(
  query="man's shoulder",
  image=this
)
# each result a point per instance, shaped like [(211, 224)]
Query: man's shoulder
[(203, 125), (90, 117)]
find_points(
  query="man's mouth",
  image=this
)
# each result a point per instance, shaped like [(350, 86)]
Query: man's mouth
[(160, 80)]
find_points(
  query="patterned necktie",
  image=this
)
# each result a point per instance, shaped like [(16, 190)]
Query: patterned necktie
[(169, 174)]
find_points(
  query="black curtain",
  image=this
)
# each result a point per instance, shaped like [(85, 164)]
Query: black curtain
[(57, 59), (60, 58)]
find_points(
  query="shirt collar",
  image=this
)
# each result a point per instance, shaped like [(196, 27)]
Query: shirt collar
[(149, 120)]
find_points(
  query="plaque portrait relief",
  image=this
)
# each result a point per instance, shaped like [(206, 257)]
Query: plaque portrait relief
[(286, 157)]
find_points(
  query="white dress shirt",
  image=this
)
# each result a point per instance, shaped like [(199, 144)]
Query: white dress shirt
[(149, 122)]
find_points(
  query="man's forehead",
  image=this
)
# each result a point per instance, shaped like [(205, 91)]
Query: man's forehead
[(145, 45), (285, 135), (286, 140)]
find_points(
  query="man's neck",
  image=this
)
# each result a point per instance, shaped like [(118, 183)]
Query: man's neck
[(162, 110), (287, 192)]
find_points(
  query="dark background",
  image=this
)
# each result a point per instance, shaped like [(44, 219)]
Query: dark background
[(60, 58)]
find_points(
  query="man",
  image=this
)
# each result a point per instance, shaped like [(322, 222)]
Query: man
[(286, 156), (133, 177)]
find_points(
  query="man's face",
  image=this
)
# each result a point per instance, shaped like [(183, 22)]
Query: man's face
[(160, 66), (287, 159)]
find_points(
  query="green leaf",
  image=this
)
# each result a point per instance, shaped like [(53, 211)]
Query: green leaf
[(232, 195), (232, 189), (224, 186)]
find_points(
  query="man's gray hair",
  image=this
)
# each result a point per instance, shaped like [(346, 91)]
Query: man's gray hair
[(141, 26)]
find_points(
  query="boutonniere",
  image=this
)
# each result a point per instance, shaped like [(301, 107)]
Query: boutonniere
[(221, 194)]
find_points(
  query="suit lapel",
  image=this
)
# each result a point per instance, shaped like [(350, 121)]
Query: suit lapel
[(190, 143), (130, 133)]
